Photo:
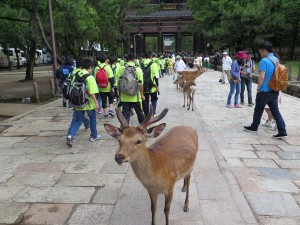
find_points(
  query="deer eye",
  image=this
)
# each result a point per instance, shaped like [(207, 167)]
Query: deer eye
[(138, 142)]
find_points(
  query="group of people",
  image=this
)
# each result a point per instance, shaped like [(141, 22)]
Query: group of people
[(147, 71), (238, 73)]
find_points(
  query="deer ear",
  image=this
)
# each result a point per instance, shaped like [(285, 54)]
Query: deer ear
[(112, 130), (154, 132)]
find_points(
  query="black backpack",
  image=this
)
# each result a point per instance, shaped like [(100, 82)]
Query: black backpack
[(78, 93), (67, 85), (148, 82)]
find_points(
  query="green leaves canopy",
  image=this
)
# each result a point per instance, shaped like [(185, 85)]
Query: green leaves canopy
[(246, 23)]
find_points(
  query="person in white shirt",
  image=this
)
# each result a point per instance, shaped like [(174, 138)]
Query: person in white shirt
[(206, 62), (200, 58), (198, 61), (179, 65), (226, 67)]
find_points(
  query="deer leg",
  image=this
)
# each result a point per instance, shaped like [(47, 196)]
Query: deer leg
[(186, 202), (184, 185), (193, 95), (189, 101), (168, 200), (184, 99), (153, 197)]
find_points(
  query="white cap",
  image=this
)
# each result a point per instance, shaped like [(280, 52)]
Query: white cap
[(225, 53)]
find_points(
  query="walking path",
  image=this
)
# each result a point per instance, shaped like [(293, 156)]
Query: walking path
[(239, 178)]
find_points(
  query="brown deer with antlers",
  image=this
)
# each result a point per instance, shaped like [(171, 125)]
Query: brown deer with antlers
[(160, 165)]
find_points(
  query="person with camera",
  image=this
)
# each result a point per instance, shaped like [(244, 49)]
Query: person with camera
[(246, 78), (235, 80)]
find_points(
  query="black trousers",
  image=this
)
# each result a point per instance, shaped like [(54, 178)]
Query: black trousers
[(154, 99), (270, 99), (126, 108), (104, 96)]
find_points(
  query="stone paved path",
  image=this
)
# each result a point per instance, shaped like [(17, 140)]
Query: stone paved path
[(239, 178)]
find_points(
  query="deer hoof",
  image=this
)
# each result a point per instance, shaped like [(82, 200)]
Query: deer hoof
[(183, 189), (186, 208)]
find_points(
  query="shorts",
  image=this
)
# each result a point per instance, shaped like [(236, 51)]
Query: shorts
[(104, 97)]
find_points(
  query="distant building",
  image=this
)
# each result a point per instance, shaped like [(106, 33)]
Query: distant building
[(164, 30)]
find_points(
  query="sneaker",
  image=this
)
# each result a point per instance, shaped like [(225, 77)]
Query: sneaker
[(111, 113), (269, 124), (250, 104), (223, 82), (87, 128), (64, 104), (96, 138), (229, 106), (237, 106), (99, 111), (105, 116), (280, 136), (249, 129), (220, 80), (69, 141), (242, 103)]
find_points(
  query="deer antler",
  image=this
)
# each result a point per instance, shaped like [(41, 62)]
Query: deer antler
[(144, 124), (159, 117), (148, 121), (122, 120)]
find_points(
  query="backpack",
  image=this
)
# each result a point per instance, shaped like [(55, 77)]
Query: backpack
[(148, 83), (58, 74), (102, 78), (67, 85), (78, 92), (128, 83), (279, 79)]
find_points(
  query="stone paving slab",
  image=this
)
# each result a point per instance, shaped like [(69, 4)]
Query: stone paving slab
[(11, 213), (55, 195), (273, 204), (238, 178), (51, 214), (91, 214)]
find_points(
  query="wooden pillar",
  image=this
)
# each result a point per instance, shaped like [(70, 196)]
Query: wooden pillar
[(178, 42), (141, 49), (160, 42), (196, 42)]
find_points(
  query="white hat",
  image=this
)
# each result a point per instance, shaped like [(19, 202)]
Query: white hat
[(225, 53)]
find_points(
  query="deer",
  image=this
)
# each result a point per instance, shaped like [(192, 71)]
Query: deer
[(192, 73), (179, 82), (189, 90), (160, 165)]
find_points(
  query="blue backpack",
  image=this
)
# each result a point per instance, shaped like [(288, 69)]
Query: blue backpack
[(63, 72)]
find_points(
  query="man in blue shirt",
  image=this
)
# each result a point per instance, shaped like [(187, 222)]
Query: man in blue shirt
[(265, 96)]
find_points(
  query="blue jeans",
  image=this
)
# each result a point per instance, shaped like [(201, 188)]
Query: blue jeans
[(79, 118), (270, 99), (248, 83), (234, 87)]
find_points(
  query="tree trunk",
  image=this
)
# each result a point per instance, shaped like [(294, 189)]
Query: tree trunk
[(18, 58), (295, 35), (32, 37), (45, 41)]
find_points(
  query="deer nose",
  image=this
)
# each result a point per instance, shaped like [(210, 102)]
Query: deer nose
[(119, 158)]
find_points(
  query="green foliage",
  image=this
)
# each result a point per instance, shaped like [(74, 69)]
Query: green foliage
[(246, 23)]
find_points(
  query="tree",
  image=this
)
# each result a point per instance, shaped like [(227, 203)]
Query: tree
[(246, 23), (13, 29)]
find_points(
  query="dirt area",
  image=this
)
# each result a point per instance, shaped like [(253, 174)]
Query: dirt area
[(13, 87)]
